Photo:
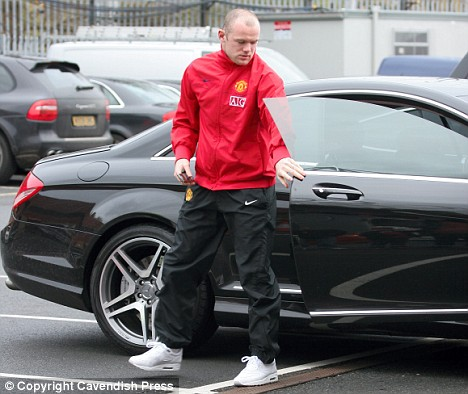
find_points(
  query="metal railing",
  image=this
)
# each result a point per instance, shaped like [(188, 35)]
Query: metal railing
[(28, 27)]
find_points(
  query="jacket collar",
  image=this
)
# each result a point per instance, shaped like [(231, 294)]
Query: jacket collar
[(226, 62)]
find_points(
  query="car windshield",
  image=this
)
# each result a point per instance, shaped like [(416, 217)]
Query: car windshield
[(153, 93), (346, 135), (149, 142)]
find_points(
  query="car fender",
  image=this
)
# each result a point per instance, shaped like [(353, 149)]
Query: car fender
[(158, 205), (8, 131), (136, 207)]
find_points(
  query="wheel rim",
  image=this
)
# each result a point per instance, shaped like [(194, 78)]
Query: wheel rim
[(129, 282)]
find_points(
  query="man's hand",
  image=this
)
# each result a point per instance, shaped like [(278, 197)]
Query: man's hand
[(286, 169), (182, 172)]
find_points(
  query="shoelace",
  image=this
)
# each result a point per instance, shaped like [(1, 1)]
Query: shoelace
[(151, 343), (252, 361)]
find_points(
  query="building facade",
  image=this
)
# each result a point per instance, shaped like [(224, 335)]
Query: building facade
[(325, 38), (354, 42)]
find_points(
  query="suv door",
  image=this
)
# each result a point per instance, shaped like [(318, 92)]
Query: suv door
[(380, 224)]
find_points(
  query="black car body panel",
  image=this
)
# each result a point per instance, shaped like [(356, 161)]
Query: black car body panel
[(81, 121), (368, 261), (367, 242)]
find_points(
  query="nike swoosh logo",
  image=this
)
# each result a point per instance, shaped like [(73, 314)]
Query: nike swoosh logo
[(250, 202)]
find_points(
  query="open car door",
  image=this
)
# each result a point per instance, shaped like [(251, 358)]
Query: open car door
[(379, 226)]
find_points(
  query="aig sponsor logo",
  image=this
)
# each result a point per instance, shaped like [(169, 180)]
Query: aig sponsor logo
[(235, 101)]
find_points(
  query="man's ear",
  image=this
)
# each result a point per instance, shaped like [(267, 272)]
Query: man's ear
[(221, 34)]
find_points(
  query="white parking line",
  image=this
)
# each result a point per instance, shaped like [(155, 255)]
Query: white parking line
[(48, 318)]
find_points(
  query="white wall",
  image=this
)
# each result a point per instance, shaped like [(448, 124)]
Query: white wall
[(358, 47), (352, 43), (447, 32), (316, 45)]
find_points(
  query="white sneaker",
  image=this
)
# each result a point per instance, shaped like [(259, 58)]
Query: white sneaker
[(256, 372), (158, 358)]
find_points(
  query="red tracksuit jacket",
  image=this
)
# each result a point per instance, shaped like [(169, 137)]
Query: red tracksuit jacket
[(222, 116)]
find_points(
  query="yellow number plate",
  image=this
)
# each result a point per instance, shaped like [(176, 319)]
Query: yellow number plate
[(83, 121)]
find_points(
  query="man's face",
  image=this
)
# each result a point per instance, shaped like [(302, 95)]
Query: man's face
[(240, 42)]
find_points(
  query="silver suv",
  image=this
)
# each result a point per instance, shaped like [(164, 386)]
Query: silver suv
[(47, 107)]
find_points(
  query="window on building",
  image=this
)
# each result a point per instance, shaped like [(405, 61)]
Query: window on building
[(411, 43)]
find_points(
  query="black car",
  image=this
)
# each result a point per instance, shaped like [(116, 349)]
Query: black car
[(136, 105), (375, 239), (46, 107)]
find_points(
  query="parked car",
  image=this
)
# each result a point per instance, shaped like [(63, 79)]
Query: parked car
[(46, 107), (418, 65), (373, 240), (165, 60), (136, 105)]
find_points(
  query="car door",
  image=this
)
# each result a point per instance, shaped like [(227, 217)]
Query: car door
[(379, 225)]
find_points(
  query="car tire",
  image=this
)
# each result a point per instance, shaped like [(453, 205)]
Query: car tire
[(124, 283), (7, 162), (117, 137)]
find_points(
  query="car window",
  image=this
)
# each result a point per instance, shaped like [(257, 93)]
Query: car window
[(7, 83), (168, 152), (152, 93), (60, 79), (111, 97), (337, 134), (457, 126), (169, 90)]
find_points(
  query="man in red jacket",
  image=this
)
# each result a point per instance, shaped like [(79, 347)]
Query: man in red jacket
[(222, 116)]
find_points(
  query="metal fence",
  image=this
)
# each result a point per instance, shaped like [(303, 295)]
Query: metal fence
[(28, 27)]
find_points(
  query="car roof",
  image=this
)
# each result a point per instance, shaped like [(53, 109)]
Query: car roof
[(449, 91), (39, 63), (122, 87)]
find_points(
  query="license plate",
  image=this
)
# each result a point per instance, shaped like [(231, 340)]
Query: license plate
[(83, 121)]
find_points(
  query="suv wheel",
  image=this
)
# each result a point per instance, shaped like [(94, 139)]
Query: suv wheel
[(7, 162)]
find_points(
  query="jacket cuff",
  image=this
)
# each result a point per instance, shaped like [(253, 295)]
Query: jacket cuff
[(182, 153), (280, 153)]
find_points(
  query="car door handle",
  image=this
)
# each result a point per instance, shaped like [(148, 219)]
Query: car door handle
[(334, 191)]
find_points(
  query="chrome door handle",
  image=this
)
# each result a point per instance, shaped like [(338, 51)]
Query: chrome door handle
[(337, 191)]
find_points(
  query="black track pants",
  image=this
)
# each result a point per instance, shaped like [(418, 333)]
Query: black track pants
[(250, 215)]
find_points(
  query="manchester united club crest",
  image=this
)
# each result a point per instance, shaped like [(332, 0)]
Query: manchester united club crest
[(188, 194), (240, 86)]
